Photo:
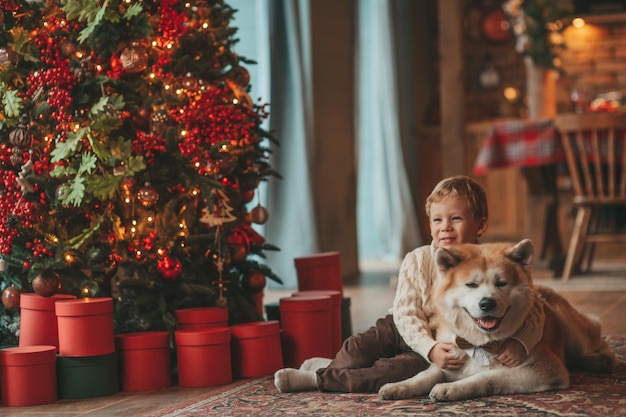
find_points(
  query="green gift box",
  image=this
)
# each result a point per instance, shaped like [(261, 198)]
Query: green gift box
[(87, 376)]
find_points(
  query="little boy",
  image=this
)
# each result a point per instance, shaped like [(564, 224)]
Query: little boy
[(396, 347)]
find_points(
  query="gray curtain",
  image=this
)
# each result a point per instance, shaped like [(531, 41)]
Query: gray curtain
[(333, 99), (387, 222), (292, 222)]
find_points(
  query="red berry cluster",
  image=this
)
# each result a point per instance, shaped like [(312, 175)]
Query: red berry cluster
[(172, 25), (148, 145), (58, 76), (13, 207), (211, 118), (38, 248)]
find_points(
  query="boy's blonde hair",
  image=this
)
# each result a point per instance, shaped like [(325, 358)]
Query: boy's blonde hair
[(464, 187)]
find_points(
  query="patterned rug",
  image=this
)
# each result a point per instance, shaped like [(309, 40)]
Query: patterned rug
[(589, 395)]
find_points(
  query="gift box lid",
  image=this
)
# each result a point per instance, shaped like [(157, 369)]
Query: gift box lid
[(84, 306), (28, 355), (201, 315), (335, 296), (306, 303), (255, 329), (32, 301), (142, 340), (201, 337), (317, 260)]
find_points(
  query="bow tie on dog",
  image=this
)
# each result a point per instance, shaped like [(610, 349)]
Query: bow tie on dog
[(491, 347)]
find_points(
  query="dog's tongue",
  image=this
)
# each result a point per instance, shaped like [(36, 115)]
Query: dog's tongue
[(488, 322)]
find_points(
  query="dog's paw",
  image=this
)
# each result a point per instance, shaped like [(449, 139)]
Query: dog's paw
[(394, 391), (445, 392)]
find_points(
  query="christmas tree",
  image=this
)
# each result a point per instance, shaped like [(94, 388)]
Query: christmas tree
[(130, 151)]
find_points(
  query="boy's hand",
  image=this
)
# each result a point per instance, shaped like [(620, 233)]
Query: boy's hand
[(512, 354), (447, 357)]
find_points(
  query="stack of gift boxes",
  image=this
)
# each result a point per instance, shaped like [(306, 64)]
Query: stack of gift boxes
[(315, 319), (67, 347)]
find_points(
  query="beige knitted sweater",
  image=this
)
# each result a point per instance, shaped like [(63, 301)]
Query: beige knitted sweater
[(414, 313)]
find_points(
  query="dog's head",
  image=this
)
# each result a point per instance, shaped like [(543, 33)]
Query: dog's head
[(484, 292)]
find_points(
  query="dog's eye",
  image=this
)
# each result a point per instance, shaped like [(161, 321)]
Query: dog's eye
[(471, 285), (501, 284)]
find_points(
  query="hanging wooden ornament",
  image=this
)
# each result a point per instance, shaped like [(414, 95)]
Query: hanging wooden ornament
[(17, 156), (221, 283), (21, 136)]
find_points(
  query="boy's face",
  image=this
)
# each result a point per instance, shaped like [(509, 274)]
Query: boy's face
[(451, 222)]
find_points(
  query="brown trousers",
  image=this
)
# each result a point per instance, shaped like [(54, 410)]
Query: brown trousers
[(371, 359)]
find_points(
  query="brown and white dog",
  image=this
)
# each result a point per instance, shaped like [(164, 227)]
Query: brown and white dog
[(484, 293)]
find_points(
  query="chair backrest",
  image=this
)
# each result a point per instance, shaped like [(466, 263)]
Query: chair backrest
[(594, 145)]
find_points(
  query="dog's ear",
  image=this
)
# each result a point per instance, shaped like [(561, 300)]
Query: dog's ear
[(522, 253), (447, 258)]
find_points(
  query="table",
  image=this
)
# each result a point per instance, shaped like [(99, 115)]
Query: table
[(535, 147), (519, 143)]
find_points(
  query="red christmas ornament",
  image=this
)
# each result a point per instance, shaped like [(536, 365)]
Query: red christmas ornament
[(247, 196), (170, 268), (11, 298), (253, 282), (238, 252), (47, 283)]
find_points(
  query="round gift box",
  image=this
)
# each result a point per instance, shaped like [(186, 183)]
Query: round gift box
[(38, 322), (335, 302), (144, 360), (203, 357), (321, 271), (88, 376), (256, 349), (201, 318), (306, 325), (85, 327), (28, 375)]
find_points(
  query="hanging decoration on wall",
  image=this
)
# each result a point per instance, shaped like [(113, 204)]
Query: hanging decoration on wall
[(489, 77), (495, 26)]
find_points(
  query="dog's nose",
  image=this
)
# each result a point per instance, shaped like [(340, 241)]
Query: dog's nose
[(487, 304)]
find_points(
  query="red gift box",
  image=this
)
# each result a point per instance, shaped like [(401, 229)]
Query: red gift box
[(201, 318), (335, 309), (256, 349), (144, 360), (85, 327), (38, 322), (306, 324), (321, 271), (28, 375), (203, 357)]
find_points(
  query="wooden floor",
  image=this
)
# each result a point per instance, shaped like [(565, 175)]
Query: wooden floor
[(602, 293)]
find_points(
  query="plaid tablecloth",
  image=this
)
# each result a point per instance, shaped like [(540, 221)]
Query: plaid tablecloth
[(520, 143)]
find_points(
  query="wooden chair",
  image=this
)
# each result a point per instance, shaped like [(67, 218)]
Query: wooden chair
[(595, 148)]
